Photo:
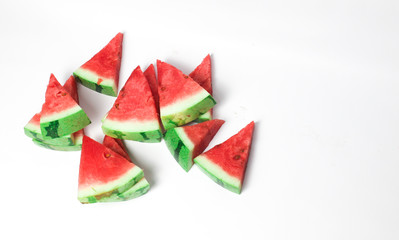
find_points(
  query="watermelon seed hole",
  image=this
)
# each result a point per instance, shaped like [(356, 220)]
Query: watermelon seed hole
[(60, 93), (117, 106), (236, 157), (107, 155)]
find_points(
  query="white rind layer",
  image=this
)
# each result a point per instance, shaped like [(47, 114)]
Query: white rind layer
[(184, 138), (132, 125), (92, 190), (60, 115), (217, 171), (185, 103), (93, 77)]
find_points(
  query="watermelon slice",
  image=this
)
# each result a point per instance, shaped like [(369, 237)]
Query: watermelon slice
[(226, 163), (134, 115), (187, 142), (77, 146), (116, 145), (149, 73), (181, 99), (202, 74), (60, 114), (138, 189), (103, 172), (101, 72)]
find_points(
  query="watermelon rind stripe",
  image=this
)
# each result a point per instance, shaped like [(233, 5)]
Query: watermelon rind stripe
[(33, 131), (204, 117), (91, 194), (64, 125), (142, 131), (89, 79), (187, 110), (217, 174), (41, 143), (138, 189), (180, 146)]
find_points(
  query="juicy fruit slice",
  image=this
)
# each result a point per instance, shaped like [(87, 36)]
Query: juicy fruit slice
[(116, 145), (202, 74), (77, 146), (60, 114), (133, 115), (103, 172), (187, 142), (181, 99), (226, 163), (149, 73), (101, 72), (32, 130), (139, 189)]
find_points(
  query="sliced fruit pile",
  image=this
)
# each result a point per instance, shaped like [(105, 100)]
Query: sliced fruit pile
[(169, 105)]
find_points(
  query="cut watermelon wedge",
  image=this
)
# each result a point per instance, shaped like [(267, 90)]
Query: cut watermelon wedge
[(101, 72), (133, 115), (187, 142), (139, 189), (202, 74), (181, 99), (116, 145), (226, 163), (103, 172), (77, 146), (60, 114), (149, 73)]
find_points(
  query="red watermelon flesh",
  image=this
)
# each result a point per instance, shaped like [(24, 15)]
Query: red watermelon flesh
[(226, 163), (61, 115), (107, 62), (202, 74), (103, 172), (149, 73), (187, 142), (116, 145), (181, 99), (133, 115), (53, 93), (71, 88)]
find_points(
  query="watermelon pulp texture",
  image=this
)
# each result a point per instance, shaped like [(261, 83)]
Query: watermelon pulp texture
[(60, 115), (202, 74), (187, 142), (149, 73), (103, 172), (226, 163), (101, 72), (133, 115), (181, 99)]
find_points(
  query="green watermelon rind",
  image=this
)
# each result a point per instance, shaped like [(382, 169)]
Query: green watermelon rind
[(89, 79), (218, 175), (137, 190), (143, 131), (40, 143), (91, 195), (204, 117), (187, 114), (63, 125), (180, 146), (35, 133)]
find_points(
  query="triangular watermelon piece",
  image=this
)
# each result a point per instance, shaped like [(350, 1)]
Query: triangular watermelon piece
[(133, 115), (149, 73), (60, 114), (187, 142), (138, 189), (101, 72), (202, 74), (103, 172), (116, 145), (181, 99), (226, 163)]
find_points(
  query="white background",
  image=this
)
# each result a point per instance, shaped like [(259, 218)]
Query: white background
[(319, 78)]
